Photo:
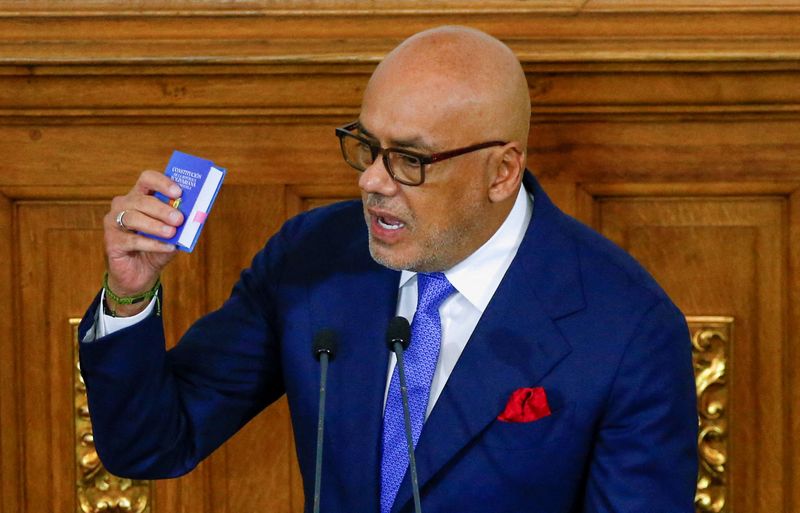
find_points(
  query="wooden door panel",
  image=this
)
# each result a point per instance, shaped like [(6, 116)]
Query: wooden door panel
[(52, 239), (725, 256)]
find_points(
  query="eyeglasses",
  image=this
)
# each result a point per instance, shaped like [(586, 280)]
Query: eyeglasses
[(404, 166)]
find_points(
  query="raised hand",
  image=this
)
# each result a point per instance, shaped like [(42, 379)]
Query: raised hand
[(135, 262)]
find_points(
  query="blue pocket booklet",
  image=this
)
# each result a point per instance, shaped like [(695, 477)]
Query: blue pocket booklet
[(200, 181)]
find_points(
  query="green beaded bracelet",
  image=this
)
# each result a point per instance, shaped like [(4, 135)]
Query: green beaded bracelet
[(132, 300)]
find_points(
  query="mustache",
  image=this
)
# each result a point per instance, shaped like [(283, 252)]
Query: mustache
[(379, 201), (375, 200)]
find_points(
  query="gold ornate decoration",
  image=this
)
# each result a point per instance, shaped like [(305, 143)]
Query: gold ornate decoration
[(711, 338), (97, 490)]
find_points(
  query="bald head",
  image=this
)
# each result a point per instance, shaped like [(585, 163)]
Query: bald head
[(440, 91), (462, 75)]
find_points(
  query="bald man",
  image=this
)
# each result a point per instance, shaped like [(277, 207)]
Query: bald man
[(547, 371)]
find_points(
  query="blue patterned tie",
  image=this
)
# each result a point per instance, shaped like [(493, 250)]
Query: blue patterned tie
[(420, 363)]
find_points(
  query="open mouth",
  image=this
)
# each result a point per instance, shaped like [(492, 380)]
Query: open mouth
[(389, 223)]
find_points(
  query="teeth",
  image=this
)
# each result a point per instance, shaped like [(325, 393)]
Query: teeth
[(388, 226)]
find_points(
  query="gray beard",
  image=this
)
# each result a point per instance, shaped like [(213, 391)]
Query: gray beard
[(426, 264)]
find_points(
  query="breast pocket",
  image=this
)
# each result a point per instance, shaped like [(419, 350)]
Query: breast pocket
[(530, 435)]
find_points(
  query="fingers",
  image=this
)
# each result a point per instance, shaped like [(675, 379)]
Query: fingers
[(146, 214), (137, 221), (119, 241), (152, 181), (142, 213), (128, 242)]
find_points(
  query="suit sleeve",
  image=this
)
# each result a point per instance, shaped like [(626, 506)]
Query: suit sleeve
[(645, 454), (158, 413)]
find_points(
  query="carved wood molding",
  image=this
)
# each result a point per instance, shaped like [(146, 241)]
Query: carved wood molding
[(10, 457), (262, 61), (292, 94), (261, 7), (340, 7), (750, 188), (194, 49), (347, 31)]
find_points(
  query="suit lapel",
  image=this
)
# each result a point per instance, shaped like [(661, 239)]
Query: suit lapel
[(356, 303), (515, 344)]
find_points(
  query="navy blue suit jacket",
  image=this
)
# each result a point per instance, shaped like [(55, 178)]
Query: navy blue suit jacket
[(574, 314)]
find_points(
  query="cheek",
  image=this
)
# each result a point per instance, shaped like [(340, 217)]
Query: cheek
[(426, 211), (440, 208), (441, 215)]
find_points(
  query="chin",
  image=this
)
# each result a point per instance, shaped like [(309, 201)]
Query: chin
[(389, 260), (398, 262)]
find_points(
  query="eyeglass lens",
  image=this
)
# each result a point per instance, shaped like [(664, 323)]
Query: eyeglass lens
[(360, 155)]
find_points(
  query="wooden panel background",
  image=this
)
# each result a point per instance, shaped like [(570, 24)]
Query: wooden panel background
[(673, 127)]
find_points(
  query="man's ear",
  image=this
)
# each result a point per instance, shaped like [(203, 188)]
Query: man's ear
[(507, 172)]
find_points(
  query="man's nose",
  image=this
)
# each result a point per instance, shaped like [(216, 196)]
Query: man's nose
[(376, 179)]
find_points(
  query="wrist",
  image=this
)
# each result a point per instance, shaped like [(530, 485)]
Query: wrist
[(116, 289), (114, 309), (118, 305)]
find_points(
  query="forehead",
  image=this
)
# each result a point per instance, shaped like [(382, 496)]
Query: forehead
[(414, 107)]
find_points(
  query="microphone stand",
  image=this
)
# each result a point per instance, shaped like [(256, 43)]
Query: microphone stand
[(324, 350), (398, 336), (323, 360), (398, 349)]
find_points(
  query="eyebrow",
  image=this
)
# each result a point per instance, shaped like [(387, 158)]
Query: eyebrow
[(413, 143)]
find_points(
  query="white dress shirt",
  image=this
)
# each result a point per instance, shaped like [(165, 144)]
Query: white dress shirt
[(105, 324), (475, 279)]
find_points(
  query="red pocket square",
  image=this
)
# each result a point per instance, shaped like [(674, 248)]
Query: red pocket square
[(526, 405)]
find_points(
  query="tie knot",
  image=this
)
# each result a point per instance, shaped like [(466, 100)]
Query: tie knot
[(433, 289)]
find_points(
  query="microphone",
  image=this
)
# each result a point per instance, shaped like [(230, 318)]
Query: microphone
[(398, 337), (324, 350)]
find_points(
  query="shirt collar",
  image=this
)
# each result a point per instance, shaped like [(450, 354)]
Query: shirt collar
[(478, 276)]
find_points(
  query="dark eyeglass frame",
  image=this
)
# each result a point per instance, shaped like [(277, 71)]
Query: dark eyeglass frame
[(375, 148)]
